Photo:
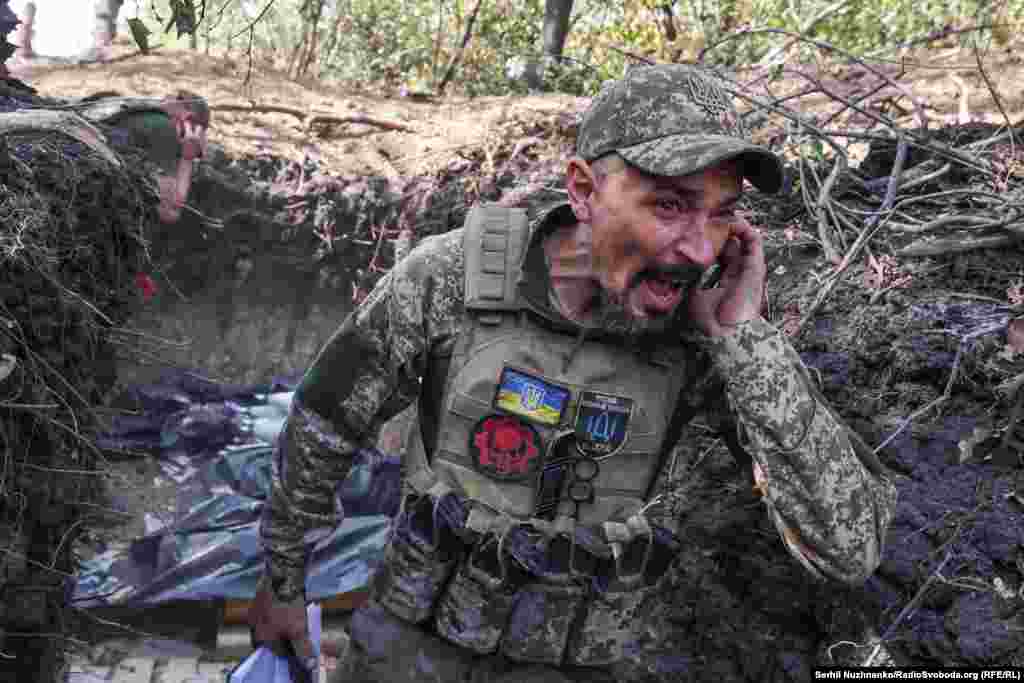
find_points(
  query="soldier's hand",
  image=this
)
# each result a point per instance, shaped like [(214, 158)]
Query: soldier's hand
[(741, 290), (280, 625), (192, 136)]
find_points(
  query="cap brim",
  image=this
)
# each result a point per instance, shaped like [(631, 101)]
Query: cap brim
[(679, 155)]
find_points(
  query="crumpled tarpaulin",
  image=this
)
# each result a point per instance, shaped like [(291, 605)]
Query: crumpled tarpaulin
[(214, 441)]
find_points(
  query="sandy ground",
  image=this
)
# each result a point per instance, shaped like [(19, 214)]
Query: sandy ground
[(436, 131), (946, 82)]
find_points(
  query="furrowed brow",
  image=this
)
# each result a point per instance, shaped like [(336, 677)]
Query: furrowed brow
[(691, 195)]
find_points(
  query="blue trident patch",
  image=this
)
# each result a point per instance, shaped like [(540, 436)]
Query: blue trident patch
[(602, 423)]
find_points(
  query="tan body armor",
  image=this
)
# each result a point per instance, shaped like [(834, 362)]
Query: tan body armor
[(561, 387), (501, 334)]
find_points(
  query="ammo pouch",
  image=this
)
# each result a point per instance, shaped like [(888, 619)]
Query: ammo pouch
[(423, 550), (619, 590), (475, 607), (574, 598), (547, 607), (584, 604)]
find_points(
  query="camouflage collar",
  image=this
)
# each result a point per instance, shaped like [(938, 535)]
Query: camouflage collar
[(534, 278)]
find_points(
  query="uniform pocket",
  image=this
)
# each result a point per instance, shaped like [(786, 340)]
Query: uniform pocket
[(417, 562), (539, 627), (612, 620), (475, 608), (608, 625)]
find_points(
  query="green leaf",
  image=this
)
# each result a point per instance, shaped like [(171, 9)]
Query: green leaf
[(140, 33)]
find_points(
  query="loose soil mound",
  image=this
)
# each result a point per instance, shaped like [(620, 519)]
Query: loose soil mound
[(71, 242)]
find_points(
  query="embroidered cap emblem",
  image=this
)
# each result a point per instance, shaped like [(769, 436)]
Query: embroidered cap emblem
[(505, 447)]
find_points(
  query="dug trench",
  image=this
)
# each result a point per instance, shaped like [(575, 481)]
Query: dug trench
[(912, 353), (950, 587)]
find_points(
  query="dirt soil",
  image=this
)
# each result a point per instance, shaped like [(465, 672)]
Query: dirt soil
[(438, 132), (912, 352), (441, 132)]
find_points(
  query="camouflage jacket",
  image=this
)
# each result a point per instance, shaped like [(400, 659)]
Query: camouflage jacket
[(827, 494)]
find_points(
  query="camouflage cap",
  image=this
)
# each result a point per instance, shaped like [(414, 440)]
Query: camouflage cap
[(673, 120)]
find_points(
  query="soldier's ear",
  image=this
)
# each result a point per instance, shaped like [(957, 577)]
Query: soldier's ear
[(580, 182)]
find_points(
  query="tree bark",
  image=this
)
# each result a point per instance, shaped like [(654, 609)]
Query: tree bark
[(457, 57), (313, 36), (556, 26), (295, 60)]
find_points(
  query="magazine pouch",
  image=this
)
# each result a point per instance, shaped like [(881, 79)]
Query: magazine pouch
[(423, 551), (475, 607), (610, 623), (544, 612)]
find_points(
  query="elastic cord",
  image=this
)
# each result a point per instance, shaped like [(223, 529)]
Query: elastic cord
[(647, 550), (501, 553), (433, 523)]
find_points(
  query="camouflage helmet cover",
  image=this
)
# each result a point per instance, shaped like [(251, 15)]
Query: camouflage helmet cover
[(673, 120)]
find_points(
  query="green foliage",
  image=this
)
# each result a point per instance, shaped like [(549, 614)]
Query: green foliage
[(393, 44)]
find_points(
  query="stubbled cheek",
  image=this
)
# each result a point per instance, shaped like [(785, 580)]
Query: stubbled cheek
[(663, 237)]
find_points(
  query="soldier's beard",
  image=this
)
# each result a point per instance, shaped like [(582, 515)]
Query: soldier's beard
[(616, 314)]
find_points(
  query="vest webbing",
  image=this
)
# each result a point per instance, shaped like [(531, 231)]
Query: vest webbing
[(494, 242)]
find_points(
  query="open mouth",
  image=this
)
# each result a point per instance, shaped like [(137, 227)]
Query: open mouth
[(662, 288)]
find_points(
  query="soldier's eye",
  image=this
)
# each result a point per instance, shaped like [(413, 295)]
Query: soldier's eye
[(669, 204)]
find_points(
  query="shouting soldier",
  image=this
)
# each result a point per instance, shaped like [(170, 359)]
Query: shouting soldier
[(556, 355)]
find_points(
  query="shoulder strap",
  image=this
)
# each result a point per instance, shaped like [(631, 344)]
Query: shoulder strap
[(494, 241)]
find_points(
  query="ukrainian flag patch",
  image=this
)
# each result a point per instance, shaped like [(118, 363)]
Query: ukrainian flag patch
[(531, 397)]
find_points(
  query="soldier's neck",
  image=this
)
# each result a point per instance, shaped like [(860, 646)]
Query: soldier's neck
[(574, 288)]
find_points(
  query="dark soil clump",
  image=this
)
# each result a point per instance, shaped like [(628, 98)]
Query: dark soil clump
[(71, 244)]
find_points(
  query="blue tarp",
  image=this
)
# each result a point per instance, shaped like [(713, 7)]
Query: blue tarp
[(215, 441)]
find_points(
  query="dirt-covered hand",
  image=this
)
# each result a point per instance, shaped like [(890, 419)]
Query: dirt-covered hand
[(740, 292), (277, 624), (192, 136)]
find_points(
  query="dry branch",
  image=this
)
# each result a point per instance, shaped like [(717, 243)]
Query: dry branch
[(457, 57), (311, 119), (955, 245)]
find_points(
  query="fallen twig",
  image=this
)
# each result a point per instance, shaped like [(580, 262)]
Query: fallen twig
[(907, 609), (823, 205), (948, 391), (310, 119), (955, 245), (871, 225), (960, 221)]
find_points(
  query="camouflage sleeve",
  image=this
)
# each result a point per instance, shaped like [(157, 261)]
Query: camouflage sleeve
[(366, 373), (826, 492)]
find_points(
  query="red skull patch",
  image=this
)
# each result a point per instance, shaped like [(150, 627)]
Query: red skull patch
[(505, 447)]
